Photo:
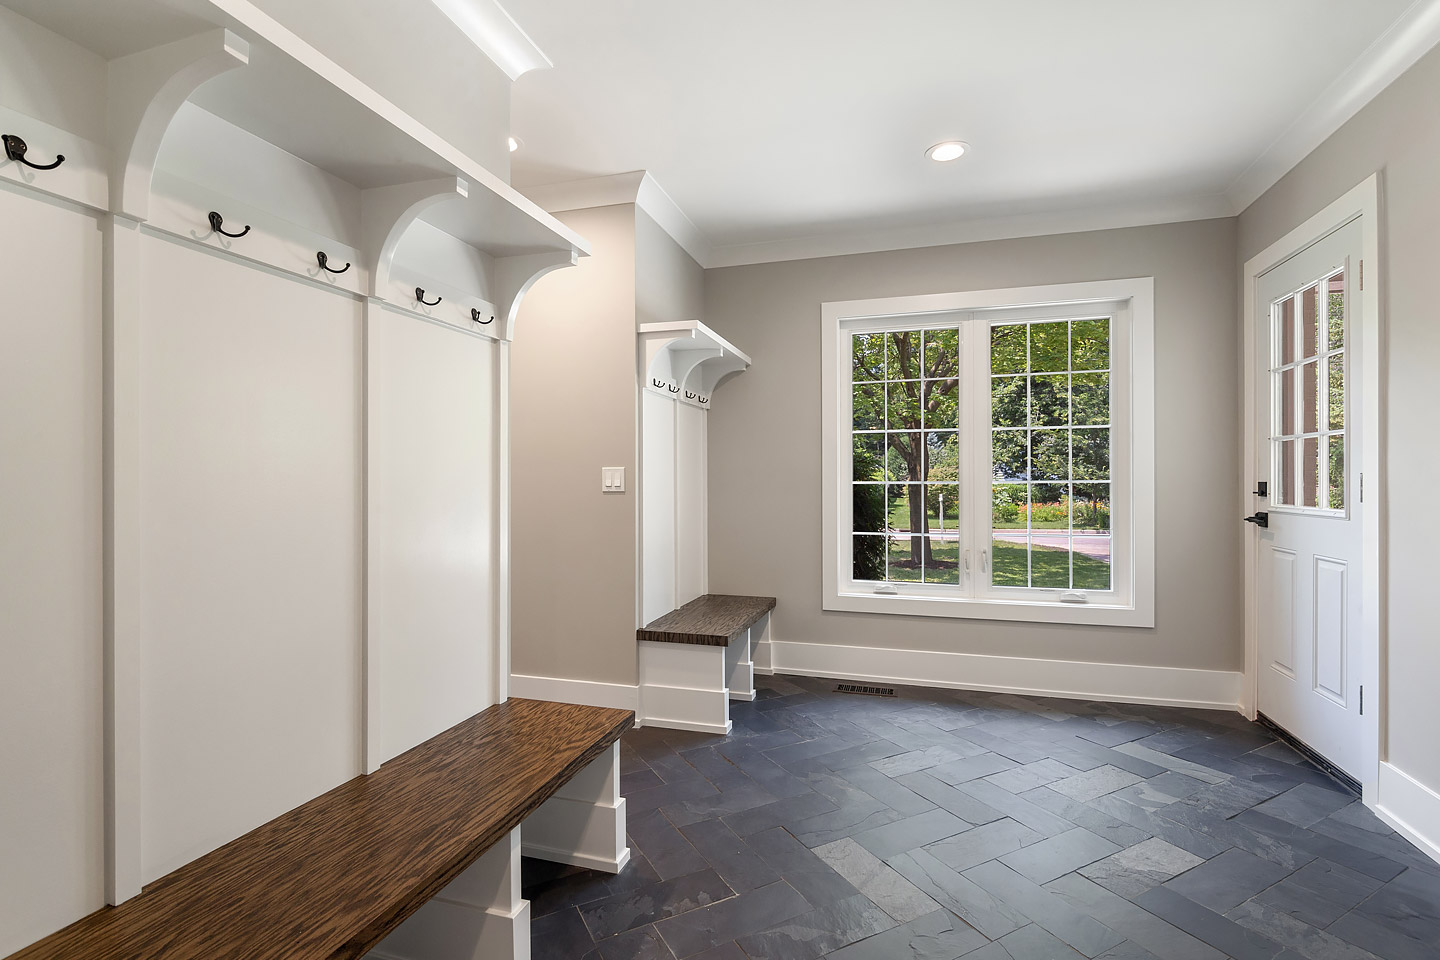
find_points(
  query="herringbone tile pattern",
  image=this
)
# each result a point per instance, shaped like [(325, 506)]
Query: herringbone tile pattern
[(943, 824)]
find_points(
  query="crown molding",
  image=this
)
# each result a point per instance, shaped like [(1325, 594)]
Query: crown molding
[(972, 231), (491, 28), (1396, 50), (637, 187)]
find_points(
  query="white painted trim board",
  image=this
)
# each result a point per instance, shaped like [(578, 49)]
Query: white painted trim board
[(1410, 808), (591, 693)]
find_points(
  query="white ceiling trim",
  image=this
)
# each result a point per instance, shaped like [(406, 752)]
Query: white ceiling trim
[(1382, 63), (973, 231), (496, 33), (637, 187)]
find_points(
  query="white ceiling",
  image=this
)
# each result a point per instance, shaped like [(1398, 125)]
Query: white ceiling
[(787, 128)]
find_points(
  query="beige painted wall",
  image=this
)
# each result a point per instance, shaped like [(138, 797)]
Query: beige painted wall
[(1399, 133), (573, 410), (669, 285), (765, 517)]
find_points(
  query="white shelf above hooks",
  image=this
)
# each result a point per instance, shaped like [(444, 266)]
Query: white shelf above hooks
[(686, 360)]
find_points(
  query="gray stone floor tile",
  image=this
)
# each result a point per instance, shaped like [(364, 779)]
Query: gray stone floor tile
[(559, 936), (946, 797), (641, 944), (898, 897), (1127, 951), (936, 936), (914, 761), (664, 846), (1056, 856), (699, 930), (901, 799), (1132, 871), (1034, 942), (1079, 930), (1181, 836), (739, 866), (982, 843), (1198, 771), (1139, 926), (973, 904), (780, 812), (1036, 818), (1229, 879), (1094, 783), (1303, 805), (1295, 934), (667, 898), (1380, 939), (971, 768), (818, 932), (725, 951), (1225, 935), (1031, 775), (911, 832), (800, 867)]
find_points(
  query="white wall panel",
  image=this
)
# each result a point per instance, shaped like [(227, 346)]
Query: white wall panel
[(690, 514), (432, 463), (250, 473), (51, 748), (657, 473)]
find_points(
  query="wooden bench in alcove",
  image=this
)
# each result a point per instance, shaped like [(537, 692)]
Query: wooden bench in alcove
[(697, 658), (333, 877)]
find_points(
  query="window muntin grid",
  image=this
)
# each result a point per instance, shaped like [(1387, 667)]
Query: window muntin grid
[(1309, 436)]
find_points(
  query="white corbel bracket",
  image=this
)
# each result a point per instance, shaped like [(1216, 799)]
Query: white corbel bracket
[(145, 91), (514, 276), (686, 360), (387, 212)]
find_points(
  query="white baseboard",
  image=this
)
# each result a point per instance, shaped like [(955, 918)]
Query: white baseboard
[(591, 693), (1410, 808), (613, 865), (1123, 683)]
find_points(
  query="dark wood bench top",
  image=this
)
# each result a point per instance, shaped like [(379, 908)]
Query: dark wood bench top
[(331, 878), (710, 620)]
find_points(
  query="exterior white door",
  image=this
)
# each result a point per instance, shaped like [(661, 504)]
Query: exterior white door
[(1307, 517)]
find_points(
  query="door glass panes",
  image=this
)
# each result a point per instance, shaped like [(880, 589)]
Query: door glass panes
[(906, 445), (1050, 454), (1308, 337)]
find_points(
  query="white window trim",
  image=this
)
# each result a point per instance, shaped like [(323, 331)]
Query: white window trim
[(1137, 608)]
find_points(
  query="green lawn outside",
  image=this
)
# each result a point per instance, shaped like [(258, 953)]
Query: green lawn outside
[(1050, 566)]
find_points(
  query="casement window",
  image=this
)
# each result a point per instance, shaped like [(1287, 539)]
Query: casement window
[(991, 454)]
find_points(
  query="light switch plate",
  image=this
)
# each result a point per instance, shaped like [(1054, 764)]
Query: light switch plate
[(612, 479)]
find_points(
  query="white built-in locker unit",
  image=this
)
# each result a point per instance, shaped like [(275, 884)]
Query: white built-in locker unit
[(253, 412)]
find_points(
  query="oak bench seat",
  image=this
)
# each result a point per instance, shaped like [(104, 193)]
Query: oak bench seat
[(711, 620), (332, 877)]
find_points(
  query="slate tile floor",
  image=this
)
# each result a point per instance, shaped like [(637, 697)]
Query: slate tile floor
[(943, 824)]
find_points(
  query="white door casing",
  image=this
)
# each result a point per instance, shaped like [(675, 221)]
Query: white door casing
[(1312, 575)]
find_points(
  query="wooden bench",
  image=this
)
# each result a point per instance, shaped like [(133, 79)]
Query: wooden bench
[(331, 878), (696, 659)]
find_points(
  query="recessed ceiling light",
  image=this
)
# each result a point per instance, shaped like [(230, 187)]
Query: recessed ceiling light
[(514, 144), (949, 150)]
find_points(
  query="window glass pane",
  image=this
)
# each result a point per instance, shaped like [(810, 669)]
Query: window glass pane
[(1337, 312), (1310, 321), (1090, 344), (1010, 559), (902, 355), (1092, 455), (1049, 347), (1010, 451), (1310, 465), (903, 456), (902, 409), (942, 508), (1285, 473), (1337, 473), (1337, 392), (1007, 348), (942, 456), (907, 508), (1049, 536), (942, 563), (868, 456), (1007, 401), (1287, 402), (1050, 455), (868, 558), (868, 507), (1049, 507), (942, 354), (868, 407), (1050, 401), (1090, 507), (942, 404), (1309, 381), (1091, 562), (1286, 319), (1090, 399), (897, 507), (1008, 506), (906, 558), (867, 355)]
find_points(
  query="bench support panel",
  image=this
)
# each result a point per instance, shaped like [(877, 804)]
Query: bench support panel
[(584, 823), (479, 916), (685, 686)]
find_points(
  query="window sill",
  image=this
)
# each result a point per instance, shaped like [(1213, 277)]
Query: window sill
[(970, 608)]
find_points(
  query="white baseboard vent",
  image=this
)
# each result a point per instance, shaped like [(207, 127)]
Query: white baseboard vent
[(1123, 683)]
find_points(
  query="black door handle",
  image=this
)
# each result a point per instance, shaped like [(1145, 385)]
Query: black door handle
[(1261, 519)]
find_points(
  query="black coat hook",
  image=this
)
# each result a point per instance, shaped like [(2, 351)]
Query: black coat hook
[(15, 150), (658, 383), (420, 295), (691, 396), (672, 389), (704, 399), (324, 262), (217, 224), (475, 315)]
